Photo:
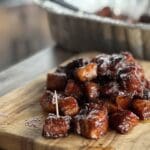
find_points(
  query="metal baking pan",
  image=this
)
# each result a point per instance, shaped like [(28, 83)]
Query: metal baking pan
[(80, 31)]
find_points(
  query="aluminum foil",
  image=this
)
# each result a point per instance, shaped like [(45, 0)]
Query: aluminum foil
[(80, 31)]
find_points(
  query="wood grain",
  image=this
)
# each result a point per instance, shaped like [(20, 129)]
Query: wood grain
[(21, 120)]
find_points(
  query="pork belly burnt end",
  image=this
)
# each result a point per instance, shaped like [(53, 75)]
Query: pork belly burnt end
[(92, 121), (131, 78), (47, 103), (91, 91), (56, 81), (128, 58), (69, 106), (55, 127), (123, 121), (70, 67), (123, 102), (120, 103), (111, 107), (110, 90), (87, 72), (107, 66), (141, 108), (73, 89)]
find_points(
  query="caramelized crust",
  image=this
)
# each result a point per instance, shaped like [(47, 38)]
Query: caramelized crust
[(87, 72), (123, 102), (123, 121), (70, 68), (92, 122), (128, 58), (103, 64), (141, 108), (46, 102), (56, 81), (69, 106), (111, 107), (131, 79), (92, 91), (55, 127), (110, 90), (73, 89)]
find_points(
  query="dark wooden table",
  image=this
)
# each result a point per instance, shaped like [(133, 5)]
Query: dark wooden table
[(30, 68)]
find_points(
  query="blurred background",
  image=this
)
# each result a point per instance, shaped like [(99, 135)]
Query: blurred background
[(24, 28), (23, 31)]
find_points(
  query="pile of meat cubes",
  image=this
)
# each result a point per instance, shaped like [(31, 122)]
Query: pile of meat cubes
[(107, 91)]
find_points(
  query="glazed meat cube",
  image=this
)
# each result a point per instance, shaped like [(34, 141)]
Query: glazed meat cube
[(110, 90), (111, 107), (56, 81), (69, 106), (123, 102), (128, 58), (70, 68), (56, 127), (123, 121), (115, 61), (92, 121), (100, 59), (95, 106), (141, 108), (46, 102), (103, 62), (107, 65), (130, 78), (87, 72), (92, 91), (73, 89)]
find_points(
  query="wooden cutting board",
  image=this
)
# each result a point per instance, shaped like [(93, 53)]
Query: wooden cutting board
[(21, 119)]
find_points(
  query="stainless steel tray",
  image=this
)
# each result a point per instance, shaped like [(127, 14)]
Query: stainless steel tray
[(79, 31)]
